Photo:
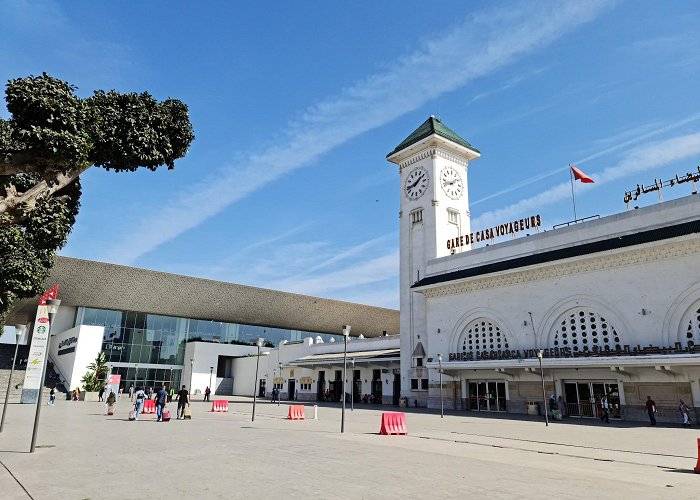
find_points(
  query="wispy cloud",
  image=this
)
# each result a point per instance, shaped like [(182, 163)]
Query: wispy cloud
[(482, 44), (513, 82), (625, 143), (638, 160)]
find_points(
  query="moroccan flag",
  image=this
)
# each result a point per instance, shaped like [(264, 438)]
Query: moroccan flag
[(580, 176)]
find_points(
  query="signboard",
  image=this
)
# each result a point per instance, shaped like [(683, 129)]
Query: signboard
[(37, 350), (491, 233)]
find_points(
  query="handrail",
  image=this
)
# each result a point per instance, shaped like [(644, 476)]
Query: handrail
[(575, 221)]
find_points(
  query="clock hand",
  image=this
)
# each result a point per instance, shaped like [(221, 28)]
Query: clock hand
[(417, 181)]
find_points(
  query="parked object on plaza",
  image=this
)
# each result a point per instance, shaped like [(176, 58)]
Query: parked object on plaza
[(296, 412), (219, 405), (697, 465), (188, 413), (149, 406), (165, 416), (394, 423)]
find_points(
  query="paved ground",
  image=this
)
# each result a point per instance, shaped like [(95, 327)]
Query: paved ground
[(85, 454)]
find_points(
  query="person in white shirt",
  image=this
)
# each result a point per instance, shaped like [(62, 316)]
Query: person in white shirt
[(605, 417)]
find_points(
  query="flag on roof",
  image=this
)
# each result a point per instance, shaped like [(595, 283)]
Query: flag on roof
[(580, 176)]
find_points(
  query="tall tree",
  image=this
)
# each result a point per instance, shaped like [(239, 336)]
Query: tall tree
[(51, 138)]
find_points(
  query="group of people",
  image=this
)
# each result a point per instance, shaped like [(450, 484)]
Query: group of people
[(161, 399)]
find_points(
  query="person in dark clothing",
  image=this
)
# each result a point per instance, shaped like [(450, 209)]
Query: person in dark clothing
[(651, 409), (161, 399), (207, 392), (183, 399), (101, 393)]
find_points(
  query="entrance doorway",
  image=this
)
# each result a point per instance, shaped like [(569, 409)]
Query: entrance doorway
[(583, 398), (377, 386), (291, 386), (356, 386), (261, 390), (397, 389), (487, 396), (321, 386)]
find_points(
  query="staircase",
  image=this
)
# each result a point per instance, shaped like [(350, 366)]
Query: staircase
[(18, 379)]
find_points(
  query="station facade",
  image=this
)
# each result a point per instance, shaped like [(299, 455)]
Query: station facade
[(612, 304)]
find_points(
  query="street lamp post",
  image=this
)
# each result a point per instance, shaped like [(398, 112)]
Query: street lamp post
[(211, 374), (52, 305), (191, 371), (255, 385), (442, 405), (544, 395), (280, 389), (346, 333), (352, 386), (19, 331)]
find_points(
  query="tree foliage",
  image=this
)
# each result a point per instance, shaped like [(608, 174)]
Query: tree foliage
[(51, 138)]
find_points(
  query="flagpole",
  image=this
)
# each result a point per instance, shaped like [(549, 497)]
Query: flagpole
[(573, 193)]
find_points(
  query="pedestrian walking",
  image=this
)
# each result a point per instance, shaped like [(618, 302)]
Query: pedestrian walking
[(562, 406), (161, 399), (183, 399), (131, 392), (207, 392), (171, 393), (101, 393), (52, 396), (651, 410), (140, 398), (605, 406), (149, 392), (685, 413)]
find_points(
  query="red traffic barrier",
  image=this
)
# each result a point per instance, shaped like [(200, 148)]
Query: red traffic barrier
[(697, 466), (296, 412), (219, 405), (393, 423), (149, 406)]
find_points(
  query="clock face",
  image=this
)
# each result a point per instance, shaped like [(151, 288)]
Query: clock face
[(451, 182), (416, 183)]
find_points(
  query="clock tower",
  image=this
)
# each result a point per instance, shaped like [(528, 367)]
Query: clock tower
[(433, 164)]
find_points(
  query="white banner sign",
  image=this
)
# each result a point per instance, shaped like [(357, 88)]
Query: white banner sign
[(37, 350)]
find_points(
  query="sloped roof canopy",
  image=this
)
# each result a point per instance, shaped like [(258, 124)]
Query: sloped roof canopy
[(110, 286), (432, 126)]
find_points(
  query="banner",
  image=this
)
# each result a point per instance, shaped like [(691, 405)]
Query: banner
[(37, 350), (112, 386)]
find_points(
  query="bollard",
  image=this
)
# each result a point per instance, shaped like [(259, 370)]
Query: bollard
[(315, 412), (697, 466)]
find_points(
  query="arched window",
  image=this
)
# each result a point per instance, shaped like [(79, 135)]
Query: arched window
[(482, 335), (691, 326), (582, 330)]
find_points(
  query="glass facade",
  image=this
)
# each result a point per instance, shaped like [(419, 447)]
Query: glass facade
[(141, 338)]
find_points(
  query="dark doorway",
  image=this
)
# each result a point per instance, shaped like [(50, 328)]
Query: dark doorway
[(377, 386), (337, 386), (321, 386), (397, 389), (291, 386), (261, 390), (356, 386)]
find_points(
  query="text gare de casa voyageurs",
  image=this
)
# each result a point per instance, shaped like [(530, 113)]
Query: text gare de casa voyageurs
[(491, 233)]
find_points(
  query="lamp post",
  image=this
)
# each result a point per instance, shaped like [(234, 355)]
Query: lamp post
[(19, 331), (191, 371), (544, 395), (255, 385), (211, 374), (280, 390), (442, 406), (52, 306), (346, 333), (352, 386)]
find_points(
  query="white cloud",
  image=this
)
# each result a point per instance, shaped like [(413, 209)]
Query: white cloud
[(638, 160), (482, 44)]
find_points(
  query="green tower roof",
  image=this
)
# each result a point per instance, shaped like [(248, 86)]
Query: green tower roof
[(429, 127)]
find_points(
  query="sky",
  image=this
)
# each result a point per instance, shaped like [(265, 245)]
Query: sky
[(295, 106)]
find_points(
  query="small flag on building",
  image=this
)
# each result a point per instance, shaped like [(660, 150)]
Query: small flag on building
[(580, 176)]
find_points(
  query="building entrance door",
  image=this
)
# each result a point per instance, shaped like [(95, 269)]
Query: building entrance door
[(583, 398), (397, 389), (291, 386), (261, 390), (321, 386), (377, 387), (487, 396)]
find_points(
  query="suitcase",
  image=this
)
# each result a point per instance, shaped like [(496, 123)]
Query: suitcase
[(132, 415), (166, 415), (110, 409), (188, 413)]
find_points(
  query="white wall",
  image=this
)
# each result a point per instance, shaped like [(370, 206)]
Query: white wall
[(205, 356), (73, 366)]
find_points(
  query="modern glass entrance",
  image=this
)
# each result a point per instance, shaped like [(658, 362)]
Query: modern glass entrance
[(148, 377), (583, 398), (487, 396)]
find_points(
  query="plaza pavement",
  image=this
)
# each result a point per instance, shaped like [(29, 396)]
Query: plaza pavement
[(82, 453)]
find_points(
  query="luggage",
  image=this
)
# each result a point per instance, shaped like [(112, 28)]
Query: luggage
[(132, 415), (110, 409), (188, 413), (166, 415)]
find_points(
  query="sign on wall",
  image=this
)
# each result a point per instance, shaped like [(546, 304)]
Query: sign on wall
[(491, 233)]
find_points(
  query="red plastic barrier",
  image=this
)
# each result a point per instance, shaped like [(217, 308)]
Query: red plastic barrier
[(393, 423), (149, 406), (219, 405), (296, 412), (697, 466)]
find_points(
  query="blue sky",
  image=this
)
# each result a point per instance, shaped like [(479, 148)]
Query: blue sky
[(296, 104)]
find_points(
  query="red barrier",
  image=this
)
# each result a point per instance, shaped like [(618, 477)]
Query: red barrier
[(219, 405), (149, 406), (296, 412), (697, 466), (393, 423)]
